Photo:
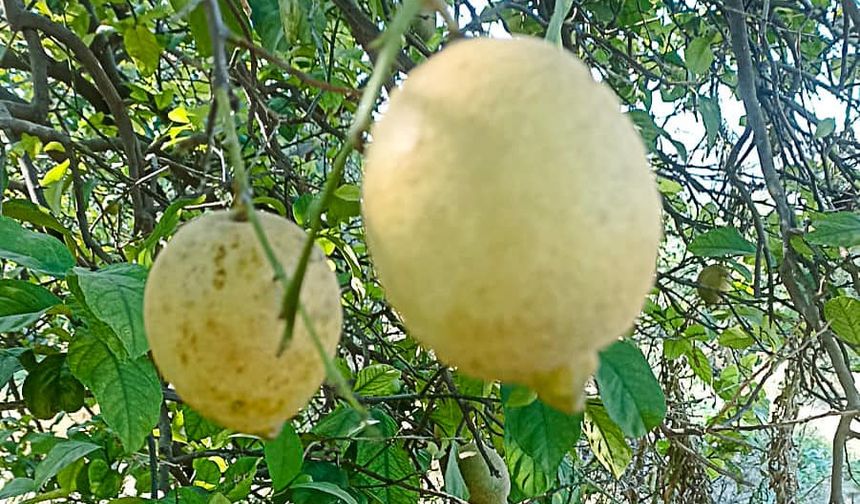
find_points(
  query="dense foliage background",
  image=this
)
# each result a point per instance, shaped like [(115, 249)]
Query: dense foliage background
[(749, 110)]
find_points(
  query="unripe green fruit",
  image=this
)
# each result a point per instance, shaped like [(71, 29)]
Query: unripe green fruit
[(484, 488), (712, 281)]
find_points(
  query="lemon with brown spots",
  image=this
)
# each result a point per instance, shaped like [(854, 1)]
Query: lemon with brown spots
[(511, 213), (212, 315)]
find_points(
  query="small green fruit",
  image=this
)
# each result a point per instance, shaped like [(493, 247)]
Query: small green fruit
[(713, 280)]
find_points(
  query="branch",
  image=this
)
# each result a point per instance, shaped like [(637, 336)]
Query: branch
[(735, 15), (365, 32), (21, 19)]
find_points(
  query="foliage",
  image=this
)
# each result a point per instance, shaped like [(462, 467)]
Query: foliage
[(111, 142)]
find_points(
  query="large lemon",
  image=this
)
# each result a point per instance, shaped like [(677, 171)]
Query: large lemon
[(511, 213), (211, 311)]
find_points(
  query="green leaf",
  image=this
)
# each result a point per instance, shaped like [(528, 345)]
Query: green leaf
[(676, 347), (36, 251), (720, 242), (16, 487), (545, 434), (606, 440), (735, 337), (114, 294), (128, 390), (825, 127), (517, 395), (839, 229), (22, 303), (61, 455), (388, 460), (284, 457), (104, 481), (711, 116), (169, 220), (51, 388), (631, 394), (266, 17), (698, 56), (206, 471), (454, 483), (527, 476), (344, 421), (843, 314), (9, 364), (143, 47), (26, 211), (55, 174), (348, 192), (197, 427), (377, 380), (327, 488), (238, 478), (699, 363)]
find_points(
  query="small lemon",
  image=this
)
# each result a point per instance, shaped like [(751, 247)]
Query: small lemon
[(212, 315)]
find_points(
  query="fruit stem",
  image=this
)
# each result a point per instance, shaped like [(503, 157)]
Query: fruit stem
[(553, 31), (390, 41)]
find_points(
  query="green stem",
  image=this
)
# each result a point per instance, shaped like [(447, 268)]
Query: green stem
[(390, 41), (553, 31)]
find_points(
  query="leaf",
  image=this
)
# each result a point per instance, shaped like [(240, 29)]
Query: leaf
[(720, 242), (55, 174), (51, 388), (199, 25), (61, 455), (839, 229), (128, 390), (266, 18), (9, 365), (170, 218), (735, 337), (114, 294), (517, 395), (36, 251), (344, 421), (197, 427), (700, 364), (238, 478), (377, 380), (25, 211), (389, 461), (825, 127), (16, 487), (631, 394), (710, 110), (526, 474), (348, 192), (143, 47), (206, 471), (328, 488), (284, 457), (606, 440), (698, 55), (22, 303), (545, 434), (843, 314), (454, 483)]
